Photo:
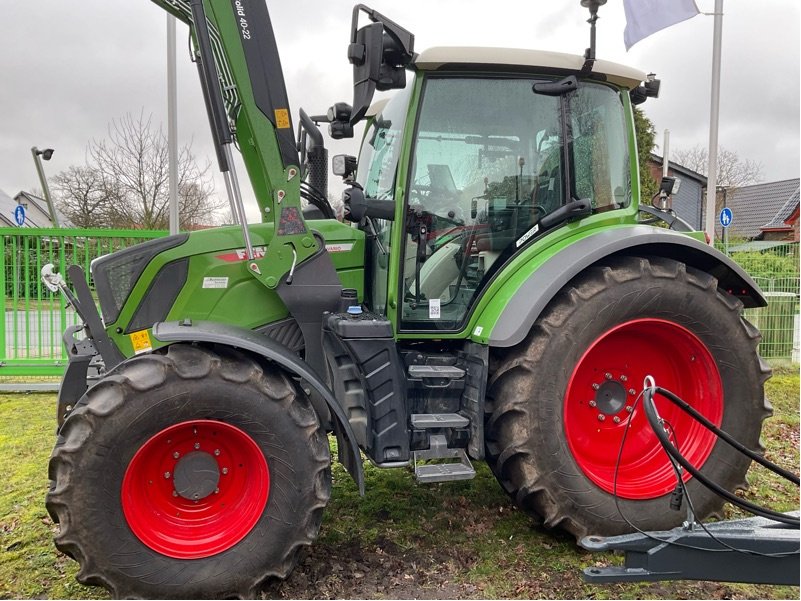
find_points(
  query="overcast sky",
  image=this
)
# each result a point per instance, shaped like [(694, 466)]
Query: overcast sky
[(68, 68)]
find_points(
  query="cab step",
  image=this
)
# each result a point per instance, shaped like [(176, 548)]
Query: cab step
[(445, 372), (427, 421), (460, 469)]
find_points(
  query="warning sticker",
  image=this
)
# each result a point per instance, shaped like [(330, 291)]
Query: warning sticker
[(434, 309), (215, 282), (141, 342), (282, 119)]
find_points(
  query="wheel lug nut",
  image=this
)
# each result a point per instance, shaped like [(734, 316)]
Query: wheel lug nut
[(224, 470), (216, 452), (197, 445), (616, 419), (593, 403), (629, 408), (167, 475), (608, 376), (175, 493), (176, 455), (595, 386), (601, 417), (195, 496), (216, 491), (632, 392), (623, 378)]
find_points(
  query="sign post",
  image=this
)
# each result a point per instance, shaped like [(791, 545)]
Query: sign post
[(726, 217), (19, 215)]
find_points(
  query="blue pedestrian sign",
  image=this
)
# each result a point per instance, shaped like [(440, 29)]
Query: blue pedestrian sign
[(726, 217), (19, 215)]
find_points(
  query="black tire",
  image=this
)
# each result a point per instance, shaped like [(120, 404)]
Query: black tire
[(134, 406), (530, 410)]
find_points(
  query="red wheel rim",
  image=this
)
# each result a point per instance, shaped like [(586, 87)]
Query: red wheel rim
[(195, 489), (600, 403)]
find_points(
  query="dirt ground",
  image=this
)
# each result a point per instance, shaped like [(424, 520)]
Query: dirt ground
[(381, 571)]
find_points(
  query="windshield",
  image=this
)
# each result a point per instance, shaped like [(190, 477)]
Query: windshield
[(491, 158)]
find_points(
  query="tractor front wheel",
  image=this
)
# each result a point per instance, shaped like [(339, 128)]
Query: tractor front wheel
[(189, 473), (562, 403)]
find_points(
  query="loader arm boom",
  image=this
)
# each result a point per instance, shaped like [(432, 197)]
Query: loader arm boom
[(246, 99)]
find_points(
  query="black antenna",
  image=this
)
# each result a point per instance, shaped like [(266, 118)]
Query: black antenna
[(589, 53)]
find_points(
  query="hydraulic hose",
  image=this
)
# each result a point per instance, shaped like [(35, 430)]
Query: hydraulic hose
[(654, 421), (787, 475)]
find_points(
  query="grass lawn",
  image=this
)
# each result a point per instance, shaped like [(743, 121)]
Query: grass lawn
[(454, 540)]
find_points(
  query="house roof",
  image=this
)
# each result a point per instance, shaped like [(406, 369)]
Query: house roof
[(41, 205), (680, 169), (779, 221), (7, 207), (754, 206)]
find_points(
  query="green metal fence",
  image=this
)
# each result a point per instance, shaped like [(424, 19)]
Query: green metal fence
[(33, 317), (775, 268)]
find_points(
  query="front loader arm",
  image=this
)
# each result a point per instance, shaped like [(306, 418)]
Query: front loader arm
[(246, 98)]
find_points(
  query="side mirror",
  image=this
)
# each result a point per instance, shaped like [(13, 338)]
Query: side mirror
[(365, 53), (379, 52)]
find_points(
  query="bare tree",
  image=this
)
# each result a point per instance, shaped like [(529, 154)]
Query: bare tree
[(733, 171), (125, 182), (84, 197)]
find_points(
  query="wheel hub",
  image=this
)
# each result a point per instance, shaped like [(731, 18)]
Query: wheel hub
[(610, 398), (196, 476)]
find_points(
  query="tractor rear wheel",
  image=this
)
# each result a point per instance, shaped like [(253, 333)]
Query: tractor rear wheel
[(188, 473), (560, 402)]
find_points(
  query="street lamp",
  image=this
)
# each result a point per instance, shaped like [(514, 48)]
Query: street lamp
[(46, 154)]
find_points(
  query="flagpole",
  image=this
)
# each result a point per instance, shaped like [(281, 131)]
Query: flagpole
[(714, 114)]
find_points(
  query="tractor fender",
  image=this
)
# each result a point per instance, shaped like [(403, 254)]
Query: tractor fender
[(534, 294), (248, 340)]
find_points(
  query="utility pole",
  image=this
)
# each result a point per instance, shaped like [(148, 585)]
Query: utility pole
[(172, 125), (714, 114)]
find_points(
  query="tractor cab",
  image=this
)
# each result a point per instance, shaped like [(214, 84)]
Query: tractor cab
[(485, 152)]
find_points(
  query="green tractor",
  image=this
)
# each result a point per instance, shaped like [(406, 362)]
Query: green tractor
[(495, 295)]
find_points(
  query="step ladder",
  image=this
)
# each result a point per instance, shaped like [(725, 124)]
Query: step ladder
[(460, 469)]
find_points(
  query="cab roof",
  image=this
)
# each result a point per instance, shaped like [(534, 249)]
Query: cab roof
[(497, 59)]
